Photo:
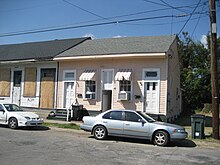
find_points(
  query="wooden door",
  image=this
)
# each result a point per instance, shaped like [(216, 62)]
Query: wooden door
[(47, 88)]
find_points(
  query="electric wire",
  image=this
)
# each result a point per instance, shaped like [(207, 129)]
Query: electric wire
[(89, 25), (64, 27), (189, 17)]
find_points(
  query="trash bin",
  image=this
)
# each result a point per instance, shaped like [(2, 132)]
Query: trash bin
[(198, 126), (77, 111)]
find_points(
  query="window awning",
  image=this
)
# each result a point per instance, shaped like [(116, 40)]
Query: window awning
[(123, 74), (87, 75)]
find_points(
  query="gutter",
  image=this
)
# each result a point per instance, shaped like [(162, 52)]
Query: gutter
[(110, 56)]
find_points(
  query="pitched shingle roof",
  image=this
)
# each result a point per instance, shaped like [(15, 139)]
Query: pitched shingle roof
[(148, 44), (37, 50)]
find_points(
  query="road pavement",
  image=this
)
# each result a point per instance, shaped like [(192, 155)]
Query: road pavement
[(54, 146)]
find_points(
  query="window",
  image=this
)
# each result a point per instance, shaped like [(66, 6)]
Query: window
[(90, 89), (17, 78), (114, 115), (151, 74), (131, 116), (69, 75), (124, 90)]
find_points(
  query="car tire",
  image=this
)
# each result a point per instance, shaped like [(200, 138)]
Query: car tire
[(100, 132), (161, 138), (13, 123)]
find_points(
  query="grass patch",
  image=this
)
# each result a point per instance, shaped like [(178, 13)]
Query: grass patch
[(66, 126)]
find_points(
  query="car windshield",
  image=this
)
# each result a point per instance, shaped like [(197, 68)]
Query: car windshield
[(12, 107), (146, 117)]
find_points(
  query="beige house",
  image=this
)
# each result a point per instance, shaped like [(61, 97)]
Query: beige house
[(139, 73), (28, 74)]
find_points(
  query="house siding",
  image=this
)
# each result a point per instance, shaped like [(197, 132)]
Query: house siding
[(136, 64), (174, 96), (24, 100)]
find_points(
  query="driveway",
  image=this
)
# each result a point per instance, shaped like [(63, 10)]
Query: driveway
[(58, 146)]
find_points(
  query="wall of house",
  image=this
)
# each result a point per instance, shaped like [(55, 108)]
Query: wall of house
[(30, 83), (174, 92), (136, 64)]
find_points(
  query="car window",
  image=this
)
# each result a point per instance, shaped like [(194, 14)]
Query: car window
[(1, 107), (131, 116), (12, 107), (113, 115), (146, 117), (106, 116)]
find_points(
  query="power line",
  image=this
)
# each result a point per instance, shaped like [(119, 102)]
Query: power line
[(84, 9), (197, 21), (189, 17), (109, 18), (171, 6), (88, 25)]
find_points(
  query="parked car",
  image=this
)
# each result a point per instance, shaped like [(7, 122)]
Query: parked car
[(134, 124), (13, 116)]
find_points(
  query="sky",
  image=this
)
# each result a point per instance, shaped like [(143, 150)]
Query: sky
[(24, 21)]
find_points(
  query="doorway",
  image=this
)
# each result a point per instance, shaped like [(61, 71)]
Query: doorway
[(16, 91), (107, 80), (151, 101), (106, 100), (47, 88)]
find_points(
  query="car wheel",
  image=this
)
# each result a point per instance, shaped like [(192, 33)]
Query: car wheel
[(100, 132), (161, 138), (13, 123)]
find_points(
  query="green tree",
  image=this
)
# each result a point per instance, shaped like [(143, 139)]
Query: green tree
[(195, 72)]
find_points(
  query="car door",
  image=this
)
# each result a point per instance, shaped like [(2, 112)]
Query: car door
[(2, 114), (134, 125), (113, 121)]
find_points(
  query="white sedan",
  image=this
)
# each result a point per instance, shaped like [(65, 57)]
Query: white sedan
[(13, 116)]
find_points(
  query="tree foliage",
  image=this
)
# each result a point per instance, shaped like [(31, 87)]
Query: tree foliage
[(195, 72)]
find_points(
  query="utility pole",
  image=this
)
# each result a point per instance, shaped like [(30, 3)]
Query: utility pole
[(214, 71)]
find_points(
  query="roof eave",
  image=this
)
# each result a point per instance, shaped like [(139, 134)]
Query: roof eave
[(137, 55)]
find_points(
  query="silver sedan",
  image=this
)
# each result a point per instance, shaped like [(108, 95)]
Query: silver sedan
[(134, 124)]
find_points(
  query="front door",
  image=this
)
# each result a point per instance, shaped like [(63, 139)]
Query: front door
[(69, 94), (16, 91), (47, 88), (151, 101), (133, 126)]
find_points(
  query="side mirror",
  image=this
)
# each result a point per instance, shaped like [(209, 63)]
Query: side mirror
[(2, 110), (142, 121)]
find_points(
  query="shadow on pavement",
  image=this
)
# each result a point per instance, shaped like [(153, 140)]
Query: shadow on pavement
[(182, 143), (37, 128)]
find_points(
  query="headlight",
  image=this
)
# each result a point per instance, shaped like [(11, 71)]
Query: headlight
[(179, 131), (28, 118)]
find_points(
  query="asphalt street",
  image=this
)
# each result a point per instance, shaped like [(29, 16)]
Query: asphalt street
[(53, 146)]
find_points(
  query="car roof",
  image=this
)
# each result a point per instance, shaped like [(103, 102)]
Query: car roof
[(121, 110)]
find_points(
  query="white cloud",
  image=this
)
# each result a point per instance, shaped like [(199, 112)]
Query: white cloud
[(203, 40), (118, 36), (89, 35)]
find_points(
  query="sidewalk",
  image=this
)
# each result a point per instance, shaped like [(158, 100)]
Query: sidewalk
[(44, 113)]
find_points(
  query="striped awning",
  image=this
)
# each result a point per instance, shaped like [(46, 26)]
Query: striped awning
[(123, 74), (87, 75)]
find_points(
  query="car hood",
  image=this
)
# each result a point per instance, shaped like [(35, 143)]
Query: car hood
[(168, 125), (27, 114)]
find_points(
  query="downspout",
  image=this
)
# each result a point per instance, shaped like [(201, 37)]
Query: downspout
[(58, 68), (167, 95)]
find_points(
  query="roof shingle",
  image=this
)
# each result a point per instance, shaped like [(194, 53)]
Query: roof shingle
[(37, 50), (148, 44)]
